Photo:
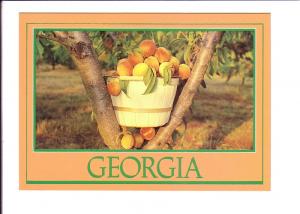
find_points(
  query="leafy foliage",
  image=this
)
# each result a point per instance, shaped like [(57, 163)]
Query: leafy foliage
[(234, 55), (52, 53)]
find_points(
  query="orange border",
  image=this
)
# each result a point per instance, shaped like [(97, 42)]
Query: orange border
[(215, 166)]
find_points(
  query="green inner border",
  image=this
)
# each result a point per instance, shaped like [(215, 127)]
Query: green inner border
[(166, 151), (138, 29)]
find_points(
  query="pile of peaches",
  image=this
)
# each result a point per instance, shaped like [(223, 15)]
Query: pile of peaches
[(149, 57), (135, 140), (148, 61)]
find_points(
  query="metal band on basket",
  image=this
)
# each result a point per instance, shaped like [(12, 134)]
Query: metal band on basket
[(135, 110)]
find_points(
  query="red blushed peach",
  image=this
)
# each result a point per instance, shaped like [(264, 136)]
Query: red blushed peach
[(135, 58), (184, 71), (147, 133), (162, 54), (124, 68), (113, 87), (147, 48), (152, 62)]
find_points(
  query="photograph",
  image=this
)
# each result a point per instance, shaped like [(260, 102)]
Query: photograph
[(138, 89), (107, 100)]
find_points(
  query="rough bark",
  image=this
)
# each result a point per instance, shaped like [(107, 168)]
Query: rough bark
[(84, 57), (185, 99)]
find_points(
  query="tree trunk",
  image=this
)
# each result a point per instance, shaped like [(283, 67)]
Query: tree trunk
[(185, 99), (84, 57)]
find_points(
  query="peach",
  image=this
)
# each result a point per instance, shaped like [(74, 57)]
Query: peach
[(175, 62), (147, 133), (127, 141), (135, 58), (122, 60), (163, 66), (140, 69), (124, 68), (113, 87), (152, 62), (147, 48), (162, 54), (184, 71), (138, 139)]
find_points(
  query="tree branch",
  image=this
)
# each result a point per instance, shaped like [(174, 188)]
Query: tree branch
[(84, 56), (185, 99)]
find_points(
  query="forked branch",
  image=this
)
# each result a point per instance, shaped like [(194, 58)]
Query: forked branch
[(185, 99)]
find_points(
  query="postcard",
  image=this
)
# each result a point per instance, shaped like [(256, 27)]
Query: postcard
[(144, 101)]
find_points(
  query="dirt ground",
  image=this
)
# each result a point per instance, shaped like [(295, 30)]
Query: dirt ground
[(220, 117)]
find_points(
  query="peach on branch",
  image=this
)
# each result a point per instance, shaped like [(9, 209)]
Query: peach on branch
[(162, 54), (147, 47)]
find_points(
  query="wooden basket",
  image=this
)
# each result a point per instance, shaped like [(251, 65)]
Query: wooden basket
[(150, 110)]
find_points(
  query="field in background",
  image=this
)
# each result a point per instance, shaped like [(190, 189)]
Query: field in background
[(220, 116)]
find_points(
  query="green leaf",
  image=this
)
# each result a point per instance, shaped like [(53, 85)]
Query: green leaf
[(249, 55), (151, 86), (187, 54), (167, 75), (124, 85), (39, 48), (147, 77)]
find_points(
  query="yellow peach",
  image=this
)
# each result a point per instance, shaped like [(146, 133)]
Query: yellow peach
[(184, 71), (124, 68), (140, 69), (152, 62), (163, 66), (127, 141), (175, 62)]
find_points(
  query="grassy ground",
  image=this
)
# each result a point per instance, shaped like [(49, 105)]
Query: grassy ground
[(64, 114), (217, 111)]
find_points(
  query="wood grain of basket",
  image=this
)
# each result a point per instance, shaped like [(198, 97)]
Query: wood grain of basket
[(135, 109)]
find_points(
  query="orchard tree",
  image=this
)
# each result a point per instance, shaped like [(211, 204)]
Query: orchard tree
[(52, 53), (84, 53)]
